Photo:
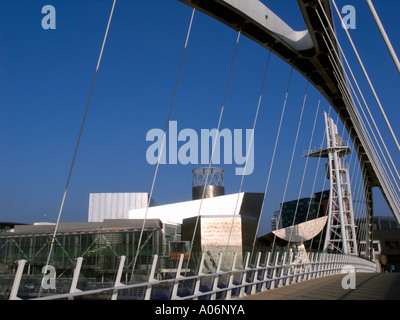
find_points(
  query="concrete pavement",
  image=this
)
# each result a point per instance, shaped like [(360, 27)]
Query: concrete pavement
[(369, 286)]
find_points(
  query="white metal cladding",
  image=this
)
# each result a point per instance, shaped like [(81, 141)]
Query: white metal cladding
[(228, 205), (114, 205)]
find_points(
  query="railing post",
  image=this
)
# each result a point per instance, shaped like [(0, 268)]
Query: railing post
[(244, 275), (199, 274), (231, 276), (328, 260), (341, 262), (310, 266), (335, 265), (304, 263), (288, 270), (297, 268), (275, 266), (255, 276), (317, 264), (265, 276), (151, 278), (75, 277), (338, 265), (17, 280), (178, 276), (118, 277), (347, 260), (332, 264), (216, 277), (324, 264), (282, 271), (331, 259)]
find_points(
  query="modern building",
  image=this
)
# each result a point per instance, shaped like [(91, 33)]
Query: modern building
[(115, 205), (100, 244), (386, 238), (276, 223), (122, 225), (299, 221), (297, 211), (301, 210), (8, 226), (212, 223), (384, 223)]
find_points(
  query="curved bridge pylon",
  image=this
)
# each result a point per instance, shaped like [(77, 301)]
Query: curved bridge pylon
[(308, 52)]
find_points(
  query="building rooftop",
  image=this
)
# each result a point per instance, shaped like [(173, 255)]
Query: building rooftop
[(86, 227)]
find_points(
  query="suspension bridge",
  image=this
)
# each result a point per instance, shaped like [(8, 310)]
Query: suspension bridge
[(358, 162)]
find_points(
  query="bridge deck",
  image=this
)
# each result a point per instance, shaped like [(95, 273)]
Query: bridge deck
[(369, 286)]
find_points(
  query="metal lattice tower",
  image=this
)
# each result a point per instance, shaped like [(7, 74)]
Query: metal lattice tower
[(340, 233)]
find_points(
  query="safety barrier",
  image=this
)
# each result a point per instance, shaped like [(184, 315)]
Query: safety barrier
[(276, 270)]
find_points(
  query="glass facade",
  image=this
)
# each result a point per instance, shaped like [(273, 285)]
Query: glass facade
[(101, 251), (302, 210), (298, 211)]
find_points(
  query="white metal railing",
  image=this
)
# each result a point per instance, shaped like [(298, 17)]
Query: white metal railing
[(277, 270)]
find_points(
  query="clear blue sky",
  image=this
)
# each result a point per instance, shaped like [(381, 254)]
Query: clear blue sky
[(46, 77)]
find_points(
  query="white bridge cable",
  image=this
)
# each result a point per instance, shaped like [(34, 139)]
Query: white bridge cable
[(292, 158), (368, 79), (247, 156), (351, 105), (275, 147), (307, 158), (77, 147), (347, 94), (361, 234), (368, 137), (163, 141), (385, 181), (358, 207), (384, 34), (317, 170), (356, 188), (214, 144)]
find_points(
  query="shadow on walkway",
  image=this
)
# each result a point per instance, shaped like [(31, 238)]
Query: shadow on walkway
[(369, 286)]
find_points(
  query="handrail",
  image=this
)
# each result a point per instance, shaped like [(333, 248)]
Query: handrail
[(276, 271)]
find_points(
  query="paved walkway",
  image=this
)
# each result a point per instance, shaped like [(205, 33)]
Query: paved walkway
[(369, 286)]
